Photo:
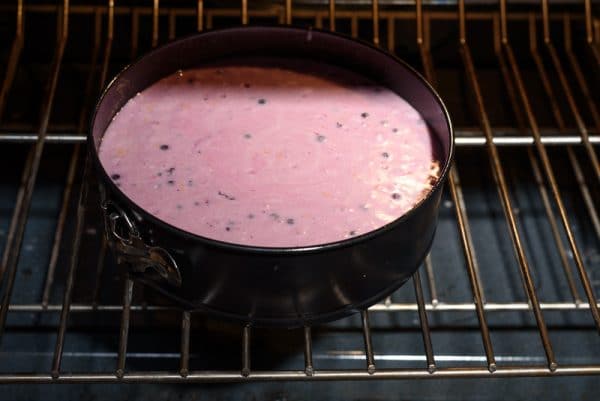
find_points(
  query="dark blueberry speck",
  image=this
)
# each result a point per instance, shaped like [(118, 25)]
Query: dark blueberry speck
[(247, 136), (394, 130), (396, 196), (246, 85), (250, 216), (290, 221), (275, 216), (228, 228), (352, 232), (226, 196), (339, 125), (190, 183), (115, 176), (170, 170), (159, 174), (364, 115), (164, 147), (262, 101), (171, 182), (385, 154), (196, 203), (179, 207), (320, 138)]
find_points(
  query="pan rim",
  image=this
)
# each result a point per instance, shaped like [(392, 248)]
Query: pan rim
[(229, 246)]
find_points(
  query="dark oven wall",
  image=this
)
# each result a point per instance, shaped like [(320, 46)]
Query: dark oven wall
[(505, 291)]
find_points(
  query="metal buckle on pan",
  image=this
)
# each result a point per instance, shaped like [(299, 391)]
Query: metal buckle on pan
[(125, 239)]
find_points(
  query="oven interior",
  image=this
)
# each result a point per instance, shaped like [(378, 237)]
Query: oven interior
[(509, 289)]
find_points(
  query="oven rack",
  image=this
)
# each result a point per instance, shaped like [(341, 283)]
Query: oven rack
[(579, 140)]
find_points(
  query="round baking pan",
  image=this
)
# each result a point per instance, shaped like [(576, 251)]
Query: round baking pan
[(260, 285)]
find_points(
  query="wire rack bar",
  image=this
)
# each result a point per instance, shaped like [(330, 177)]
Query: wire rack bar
[(516, 74), (375, 18), (361, 13), (426, 334), (308, 358), (464, 137), (103, 75), (576, 68), (184, 364), (17, 230), (81, 210), (200, 15), (288, 12), (299, 375), (585, 193), (592, 43), (60, 225), (571, 154), (391, 35), (13, 223), (368, 342), (13, 58), (431, 280), (332, 15), (74, 263), (387, 307), (502, 187), (72, 170), (500, 43), (124, 331), (567, 91), (244, 12), (553, 226), (155, 6), (109, 41), (354, 26), (246, 351), (457, 198)]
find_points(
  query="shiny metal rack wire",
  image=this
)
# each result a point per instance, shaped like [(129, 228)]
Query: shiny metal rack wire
[(526, 134)]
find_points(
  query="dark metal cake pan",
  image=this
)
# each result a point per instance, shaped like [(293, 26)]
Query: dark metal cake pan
[(262, 285)]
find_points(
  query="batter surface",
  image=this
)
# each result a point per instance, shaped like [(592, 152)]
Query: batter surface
[(271, 153)]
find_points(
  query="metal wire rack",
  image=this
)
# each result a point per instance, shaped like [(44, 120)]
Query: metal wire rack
[(567, 82)]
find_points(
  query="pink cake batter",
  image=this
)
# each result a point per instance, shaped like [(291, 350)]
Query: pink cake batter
[(271, 153)]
